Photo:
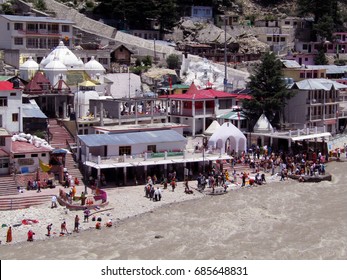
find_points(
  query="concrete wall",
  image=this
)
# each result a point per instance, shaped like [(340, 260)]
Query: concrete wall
[(5, 31), (13, 107)]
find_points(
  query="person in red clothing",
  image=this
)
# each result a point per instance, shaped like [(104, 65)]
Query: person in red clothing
[(31, 235)]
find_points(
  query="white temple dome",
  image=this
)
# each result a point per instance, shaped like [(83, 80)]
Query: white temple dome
[(92, 64), (67, 57), (30, 64), (56, 65)]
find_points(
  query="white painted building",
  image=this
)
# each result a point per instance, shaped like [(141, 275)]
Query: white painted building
[(27, 32), (10, 107)]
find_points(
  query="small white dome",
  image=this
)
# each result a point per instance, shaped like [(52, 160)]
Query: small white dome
[(30, 64), (56, 65), (66, 56), (92, 64)]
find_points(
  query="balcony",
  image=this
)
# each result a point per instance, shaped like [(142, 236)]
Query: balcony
[(189, 112), (40, 32)]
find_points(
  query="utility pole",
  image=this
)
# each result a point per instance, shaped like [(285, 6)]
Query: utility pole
[(225, 55)]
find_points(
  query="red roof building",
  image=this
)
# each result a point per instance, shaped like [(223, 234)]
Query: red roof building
[(198, 108), (6, 85)]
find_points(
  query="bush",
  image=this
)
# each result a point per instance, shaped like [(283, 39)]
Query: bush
[(173, 61)]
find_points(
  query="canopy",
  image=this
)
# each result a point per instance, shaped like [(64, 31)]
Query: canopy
[(228, 137), (212, 128), (60, 151), (262, 125)]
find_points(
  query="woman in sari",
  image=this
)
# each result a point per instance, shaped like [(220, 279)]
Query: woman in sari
[(9, 235)]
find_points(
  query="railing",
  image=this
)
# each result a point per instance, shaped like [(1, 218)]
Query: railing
[(137, 158), (39, 32)]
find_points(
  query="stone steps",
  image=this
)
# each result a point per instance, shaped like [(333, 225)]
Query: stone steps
[(21, 202), (8, 186)]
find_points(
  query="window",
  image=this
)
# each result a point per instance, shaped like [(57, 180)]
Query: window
[(152, 148), (306, 58), (2, 141), (34, 155), (18, 41), (13, 94), (4, 163), (18, 26), (103, 60), (3, 101), (304, 46), (43, 154), (15, 117), (302, 75), (65, 28), (287, 22), (283, 39), (43, 26), (19, 156), (124, 150), (269, 39)]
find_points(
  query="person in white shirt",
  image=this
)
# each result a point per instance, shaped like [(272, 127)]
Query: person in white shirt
[(157, 194)]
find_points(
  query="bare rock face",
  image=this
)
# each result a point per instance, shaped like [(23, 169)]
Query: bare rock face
[(250, 44)]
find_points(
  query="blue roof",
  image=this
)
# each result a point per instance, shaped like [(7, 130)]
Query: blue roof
[(36, 19), (32, 111), (132, 138)]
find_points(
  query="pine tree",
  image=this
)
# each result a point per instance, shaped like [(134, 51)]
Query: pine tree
[(269, 91)]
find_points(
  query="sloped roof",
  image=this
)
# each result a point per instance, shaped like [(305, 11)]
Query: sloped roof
[(19, 147), (212, 128), (36, 19), (194, 94), (290, 63), (61, 85), (40, 78), (96, 140), (6, 85), (233, 115), (262, 125), (32, 87), (32, 110), (318, 84)]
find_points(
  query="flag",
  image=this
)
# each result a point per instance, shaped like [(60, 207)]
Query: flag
[(44, 167)]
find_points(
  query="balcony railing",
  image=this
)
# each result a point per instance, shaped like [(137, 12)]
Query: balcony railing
[(186, 112), (173, 155), (39, 32)]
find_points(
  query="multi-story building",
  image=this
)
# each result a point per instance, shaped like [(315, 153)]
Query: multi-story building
[(198, 108), (23, 36), (316, 104), (10, 107)]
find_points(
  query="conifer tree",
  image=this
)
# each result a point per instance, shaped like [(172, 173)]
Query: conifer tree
[(269, 91)]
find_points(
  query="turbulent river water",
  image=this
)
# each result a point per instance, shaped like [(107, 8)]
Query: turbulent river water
[(282, 221)]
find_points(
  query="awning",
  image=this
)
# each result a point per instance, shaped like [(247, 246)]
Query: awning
[(311, 136)]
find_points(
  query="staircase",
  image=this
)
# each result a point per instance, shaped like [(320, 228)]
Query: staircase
[(23, 201), (59, 135), (7, 186), (11, 199)]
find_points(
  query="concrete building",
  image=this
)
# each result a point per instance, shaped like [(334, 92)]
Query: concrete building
[(316, 104), (198, 108), (25, 36), (11, 107)]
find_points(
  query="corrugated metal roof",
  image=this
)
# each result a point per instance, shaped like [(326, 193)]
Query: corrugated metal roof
[(330, 69), (290, 63), (318, 84), (32, 110), (96, 140), (36, 19)]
